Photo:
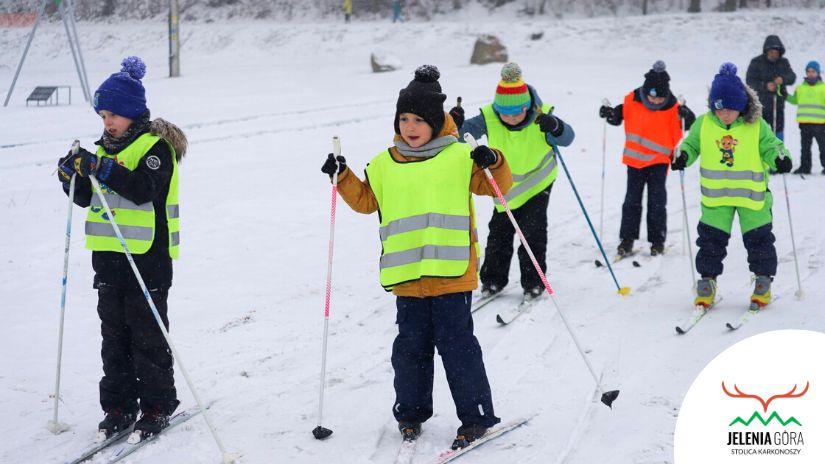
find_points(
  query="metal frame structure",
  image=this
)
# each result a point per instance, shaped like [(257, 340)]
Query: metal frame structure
[(66, 8)]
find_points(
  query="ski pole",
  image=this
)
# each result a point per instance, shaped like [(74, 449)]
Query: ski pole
[(226, 456), (320, 432), (684, 206), (621, 290), (799, 294), (607, 397), (605, 102), (54, 425)]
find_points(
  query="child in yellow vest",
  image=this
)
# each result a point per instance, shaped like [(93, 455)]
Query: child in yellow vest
[(810, 98), (136, 165), (736, 148), (422, 188)]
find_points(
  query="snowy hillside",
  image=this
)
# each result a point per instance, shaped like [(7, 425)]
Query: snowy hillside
[(260, 103)]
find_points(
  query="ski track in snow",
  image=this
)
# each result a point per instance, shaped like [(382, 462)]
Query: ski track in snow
[(260, 103)]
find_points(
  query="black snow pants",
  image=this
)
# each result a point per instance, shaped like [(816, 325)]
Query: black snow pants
[(442, 322), (137, 362), (654, 177), (809, 133), (532, 219)]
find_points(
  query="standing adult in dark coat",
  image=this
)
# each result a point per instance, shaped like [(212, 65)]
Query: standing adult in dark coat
[(769, 74)]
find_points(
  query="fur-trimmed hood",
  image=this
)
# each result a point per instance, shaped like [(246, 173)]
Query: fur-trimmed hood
[(172, 134), (753, 111)]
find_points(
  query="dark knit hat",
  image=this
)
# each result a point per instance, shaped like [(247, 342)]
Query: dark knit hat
[(423, 98), (727, 90), (813, 65), (123, 93), (657, 81)]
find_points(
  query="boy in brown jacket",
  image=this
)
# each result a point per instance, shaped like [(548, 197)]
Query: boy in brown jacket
[(422, 188)]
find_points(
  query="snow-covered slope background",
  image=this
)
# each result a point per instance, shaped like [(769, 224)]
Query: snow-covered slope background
[(260, 103)]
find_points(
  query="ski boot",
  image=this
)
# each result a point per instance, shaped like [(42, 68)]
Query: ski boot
[(410, 431), (761, 296), (489, 290), (657, 249), (625, 247), (532, 295), (705, 292), (151, 422), (468, 434), (115, 421)]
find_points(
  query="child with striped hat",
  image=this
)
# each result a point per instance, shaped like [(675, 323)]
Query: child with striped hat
[(525, 129)]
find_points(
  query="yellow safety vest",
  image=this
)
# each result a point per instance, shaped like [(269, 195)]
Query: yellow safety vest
[(136, 222), (532, 160), (811, 103), (731, 171), (425, 209)]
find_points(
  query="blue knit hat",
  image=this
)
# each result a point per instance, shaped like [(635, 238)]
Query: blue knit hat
[(123, 93), (813, 65), (727, 90)]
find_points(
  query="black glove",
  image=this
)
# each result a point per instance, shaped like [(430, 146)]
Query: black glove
[(783, 165), (679, 163), (550, 124), (66, 167), (86, 163), (458, 116), (605, 111), (483, 156), (332, 163), (684, 111)]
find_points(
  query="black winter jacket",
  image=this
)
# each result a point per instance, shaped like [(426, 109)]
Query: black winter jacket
[(761, 71)]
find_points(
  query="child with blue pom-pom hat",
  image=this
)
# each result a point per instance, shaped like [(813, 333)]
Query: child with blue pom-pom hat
[(736, 148), (136, 162)]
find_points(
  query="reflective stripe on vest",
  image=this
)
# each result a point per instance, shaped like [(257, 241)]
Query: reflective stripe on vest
[(100, 229), (811, 103), (118, 202), (732, 175), (425, 210), (649, 144), (531, 159), (731, 170), (422, 221), (650, 136), (136, 222)]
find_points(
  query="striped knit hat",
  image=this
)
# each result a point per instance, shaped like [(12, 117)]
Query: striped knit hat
[(512, 95)]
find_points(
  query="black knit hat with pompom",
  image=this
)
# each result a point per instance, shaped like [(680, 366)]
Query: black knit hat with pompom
[(423, 97), (657, 81)]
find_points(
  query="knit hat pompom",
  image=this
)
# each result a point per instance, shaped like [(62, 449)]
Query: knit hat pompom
[(659, 66), (657, 80), (123, 93), (511, 72), (427, 73), (727, 69), (133, 66), (422, 97), (512, 95)]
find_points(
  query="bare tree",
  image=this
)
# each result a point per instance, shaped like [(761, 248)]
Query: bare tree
[(695, 6), (728, 5), (644, 7)]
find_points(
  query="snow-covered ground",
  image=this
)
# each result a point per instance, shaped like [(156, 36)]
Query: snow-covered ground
[(260, 103)]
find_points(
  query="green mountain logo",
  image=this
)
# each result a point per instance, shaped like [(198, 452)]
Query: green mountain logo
[(756, 415)]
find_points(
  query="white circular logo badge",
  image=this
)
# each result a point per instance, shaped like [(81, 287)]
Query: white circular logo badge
[(153, 162), (760, 401)]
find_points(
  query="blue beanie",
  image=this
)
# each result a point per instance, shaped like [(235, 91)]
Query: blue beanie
[(123, 93), (727, 90), (813, 65)]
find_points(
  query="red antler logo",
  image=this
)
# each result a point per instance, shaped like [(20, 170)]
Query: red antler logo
[(790, 394)]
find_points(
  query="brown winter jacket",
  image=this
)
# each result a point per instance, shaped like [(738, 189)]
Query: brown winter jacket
[(360, 198)]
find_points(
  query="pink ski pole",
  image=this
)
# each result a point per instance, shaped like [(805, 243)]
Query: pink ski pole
[(607, 396), (321, 432)]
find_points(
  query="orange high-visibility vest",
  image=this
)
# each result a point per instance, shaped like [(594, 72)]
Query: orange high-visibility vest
[(651, 135)]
